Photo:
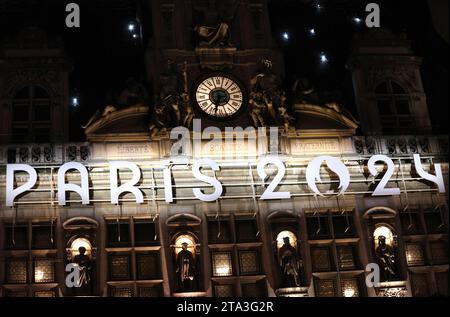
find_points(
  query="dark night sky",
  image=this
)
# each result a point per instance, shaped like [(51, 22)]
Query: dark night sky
[(104, 55)]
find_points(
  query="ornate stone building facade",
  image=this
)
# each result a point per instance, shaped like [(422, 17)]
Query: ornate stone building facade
[(217, 62)]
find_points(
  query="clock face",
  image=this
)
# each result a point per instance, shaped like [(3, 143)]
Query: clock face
[(219, 96)]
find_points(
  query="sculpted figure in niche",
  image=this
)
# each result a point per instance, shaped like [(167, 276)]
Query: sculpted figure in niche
[(290, 264), (386, 260), (186, 269), (84, 264)]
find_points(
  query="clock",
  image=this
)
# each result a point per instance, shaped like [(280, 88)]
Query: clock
[(219, 96)]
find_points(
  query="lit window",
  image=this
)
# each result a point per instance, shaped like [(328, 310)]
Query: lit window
[(414, 254), (43, 271), (349, 287), (222, 265)]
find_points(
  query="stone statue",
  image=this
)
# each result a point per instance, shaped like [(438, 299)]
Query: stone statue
[(185, 99), (186, 269), (257, 109), (267, 99), (304, 92), (158, 124), (214, 28), (170, 81), (133, 94), (290, 264), (188, 115), (215, 36), (285, 118), (386, 259), (85, 267)]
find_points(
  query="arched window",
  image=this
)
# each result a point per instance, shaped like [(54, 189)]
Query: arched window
[(31, 115), (394, 108)]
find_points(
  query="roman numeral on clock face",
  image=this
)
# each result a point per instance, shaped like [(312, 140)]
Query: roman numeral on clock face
[(219, 96)]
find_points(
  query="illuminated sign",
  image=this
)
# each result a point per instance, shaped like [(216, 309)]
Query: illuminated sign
[(313, 172)]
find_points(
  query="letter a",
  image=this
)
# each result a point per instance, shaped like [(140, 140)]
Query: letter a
[(373, 19), (73, 18)]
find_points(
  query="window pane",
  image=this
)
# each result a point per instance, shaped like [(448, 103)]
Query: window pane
[(346, 257), (154, 291), (41, 134), (16, 271), (41, 112), (414, 254), (246, 230), (20, 112), (389, 125), (318, 227), (24, 93), (397, 89), (382, 89), (384, 107), (39, 93), (350, 287), (44, 271), (121, 292), (42, 236), (442, 283), (325, 288), (119, 266), (147, 266), (254, 289), (402, 107), (406, 124), (439, 252), (222, 265), (20, 134), (419, 284), (16, 293), (44, 294), (343, 225), (434, 222), (223, 291), (411, 223), (118, 234), (249, 263), (219, 232), (321, 259), (145, 233), (16, 238)]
